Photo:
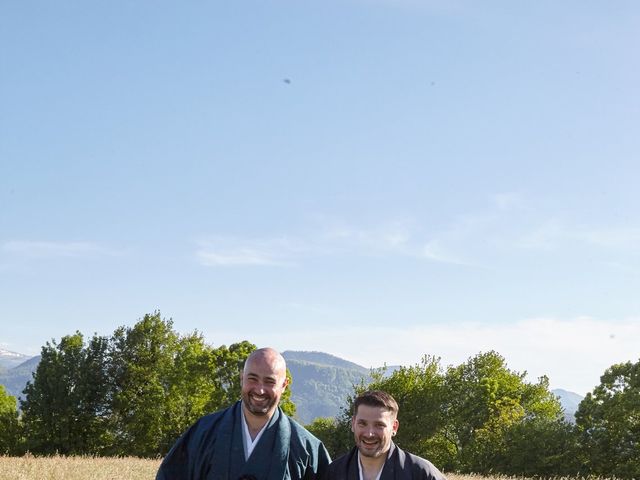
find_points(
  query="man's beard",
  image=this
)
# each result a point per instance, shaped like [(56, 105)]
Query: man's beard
[(259, 410), (375, 451)]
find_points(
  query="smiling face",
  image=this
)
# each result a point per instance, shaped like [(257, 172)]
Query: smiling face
[(372, 429), (264, 380)]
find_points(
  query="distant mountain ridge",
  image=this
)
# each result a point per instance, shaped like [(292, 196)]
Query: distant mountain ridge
[(16, 378), (570, 402), (11, 359), (321, 358), (321, 383)]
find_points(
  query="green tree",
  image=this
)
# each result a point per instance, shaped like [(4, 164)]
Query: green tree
[(10, 440), (65, 406), (335, 437), (227, 372), (142, 359), (540, 447), (608, 421), (484, 400), (190, 386), (419, 391)]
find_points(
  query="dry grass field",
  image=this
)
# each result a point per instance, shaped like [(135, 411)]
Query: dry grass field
[(76, 468), (96, 468)]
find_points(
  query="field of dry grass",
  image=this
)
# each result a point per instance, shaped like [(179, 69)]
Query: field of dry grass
[(96, 468), (76, 468)]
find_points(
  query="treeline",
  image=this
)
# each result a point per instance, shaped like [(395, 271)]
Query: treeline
[(132, 393), (136, 391), (481, 417)]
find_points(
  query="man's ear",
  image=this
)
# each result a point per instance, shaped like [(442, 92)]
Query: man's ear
[(395, 426), (353, 421), (285, 384)]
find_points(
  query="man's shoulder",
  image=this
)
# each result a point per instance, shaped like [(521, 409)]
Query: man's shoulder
[(301, 433), (422, 467), (210, 420), (342, 460)]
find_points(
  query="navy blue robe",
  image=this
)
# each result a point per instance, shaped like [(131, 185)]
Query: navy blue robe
[(213, 449), (400, 465)]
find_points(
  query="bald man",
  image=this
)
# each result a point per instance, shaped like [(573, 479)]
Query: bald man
[(251, 440)]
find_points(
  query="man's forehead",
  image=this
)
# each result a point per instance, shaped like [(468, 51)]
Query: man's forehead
[(264, 367), (368, 412)]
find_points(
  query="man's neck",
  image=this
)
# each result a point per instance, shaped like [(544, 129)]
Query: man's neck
[(255, 422), (371, 466)]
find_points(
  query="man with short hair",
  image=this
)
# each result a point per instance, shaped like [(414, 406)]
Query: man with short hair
[(251, 440), (375, 456)]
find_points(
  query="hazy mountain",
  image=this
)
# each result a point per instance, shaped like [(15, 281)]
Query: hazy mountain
[(11, 359), (321, 383), (16, 378), (321, 358), (570, 402)]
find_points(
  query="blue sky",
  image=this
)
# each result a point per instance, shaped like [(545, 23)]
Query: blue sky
[(375, 179)]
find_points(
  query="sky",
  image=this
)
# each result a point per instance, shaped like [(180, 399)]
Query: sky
[(376, 179)]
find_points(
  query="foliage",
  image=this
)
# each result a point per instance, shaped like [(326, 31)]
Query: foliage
[(334, 434), (476, 417), (9, 425), (66, 403), (484, 400), (608, 420), (132, 393), (540, 447)]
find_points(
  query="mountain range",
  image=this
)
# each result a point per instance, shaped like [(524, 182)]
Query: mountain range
[(320, 387)]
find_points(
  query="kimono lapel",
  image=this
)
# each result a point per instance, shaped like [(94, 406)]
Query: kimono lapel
[(269, 459), (395, 468), (228, 455)]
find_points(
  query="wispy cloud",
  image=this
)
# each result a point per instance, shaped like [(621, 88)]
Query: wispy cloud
[(396, 238), (45, 249), (433, 250), (222, 251), (554, 234), (507, 224), (613, 237), (237, 257)]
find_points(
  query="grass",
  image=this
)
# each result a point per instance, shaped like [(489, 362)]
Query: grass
[(111, 468), (77, 468)]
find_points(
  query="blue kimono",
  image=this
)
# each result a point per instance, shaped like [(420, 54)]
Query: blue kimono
[(213, 449), (400, 465)]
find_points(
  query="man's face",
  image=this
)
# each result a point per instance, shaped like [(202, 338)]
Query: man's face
[(372, 429), (263, 382)]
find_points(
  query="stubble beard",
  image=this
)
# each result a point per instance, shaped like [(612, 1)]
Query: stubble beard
[(259, 411), (367, 452)]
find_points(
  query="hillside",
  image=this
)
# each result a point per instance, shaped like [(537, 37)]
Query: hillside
[(9, 359), (321, 383), (570, 402), (16, 378)]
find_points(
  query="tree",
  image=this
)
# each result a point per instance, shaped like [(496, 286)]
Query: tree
[(419, 391), (10, 440), (484, 400), (65, 405), (333, 434), (608, 421), (540, 447), (142, 359)]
